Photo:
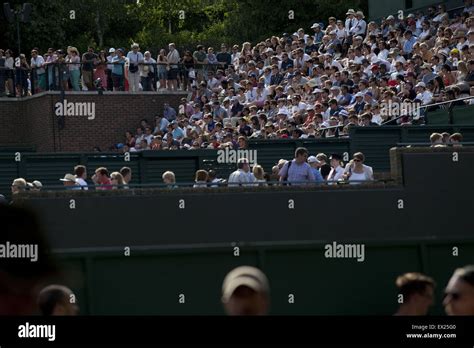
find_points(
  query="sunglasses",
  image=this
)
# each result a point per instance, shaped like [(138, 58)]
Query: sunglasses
[(454, 295)]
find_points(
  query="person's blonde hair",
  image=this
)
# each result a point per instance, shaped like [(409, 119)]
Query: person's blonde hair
[(118, 177), (435, 137), (20, 183)]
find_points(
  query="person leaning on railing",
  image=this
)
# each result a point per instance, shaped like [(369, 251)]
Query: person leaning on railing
[(21, 75), (73, 62), (147, 72), (89, 59), (38, 73), (9, 65), (118, 63)]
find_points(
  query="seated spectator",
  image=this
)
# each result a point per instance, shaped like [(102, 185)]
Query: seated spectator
[(201, 178), (242, 176), (436, 139), (19, 185), (324, 166), (70, 183), (81, 175), (101, 178), (315, 164), (213, 180), (127, 176), (35, 186), (116, 180), (258, 173), (169, 179), (337, 171), (356, 171), (446, 136), (456, 139)]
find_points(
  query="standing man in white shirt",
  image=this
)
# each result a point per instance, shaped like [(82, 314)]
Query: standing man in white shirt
[(134, 57), (110, 67), (173, 60)]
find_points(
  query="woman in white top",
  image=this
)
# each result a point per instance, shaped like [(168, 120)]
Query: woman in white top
[(356, 171), (9, 65)]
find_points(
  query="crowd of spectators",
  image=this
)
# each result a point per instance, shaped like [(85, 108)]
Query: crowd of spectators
[(318, 84), (301, 170)]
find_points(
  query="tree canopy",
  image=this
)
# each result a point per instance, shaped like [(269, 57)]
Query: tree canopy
[(155, 23)]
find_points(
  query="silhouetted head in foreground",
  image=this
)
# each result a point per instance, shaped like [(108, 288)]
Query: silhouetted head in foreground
[(417, 293), (459, 294), (25, 262), (57, 300), (245, 291)]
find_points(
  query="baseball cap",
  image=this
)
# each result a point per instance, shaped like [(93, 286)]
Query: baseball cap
[(420, 84), (35, 184), (248, 276), (313, 159), (315, 25), (111, 50)]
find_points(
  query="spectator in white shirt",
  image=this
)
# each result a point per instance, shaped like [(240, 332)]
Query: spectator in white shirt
[(242, 176), (337, 171), (134, 58), (360, 25), (423, 94), (81, 175)]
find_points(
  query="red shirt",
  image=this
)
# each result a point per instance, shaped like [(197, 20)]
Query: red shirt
[(105, 182)]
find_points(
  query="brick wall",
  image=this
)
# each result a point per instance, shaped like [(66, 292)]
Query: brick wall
[(32, 121)]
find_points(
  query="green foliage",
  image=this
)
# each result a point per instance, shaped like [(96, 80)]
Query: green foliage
[(155, 23)]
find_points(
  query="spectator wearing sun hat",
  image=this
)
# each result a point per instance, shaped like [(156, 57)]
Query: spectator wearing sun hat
[(314, 163), (359, 26), (70, 183), (35, 185)]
